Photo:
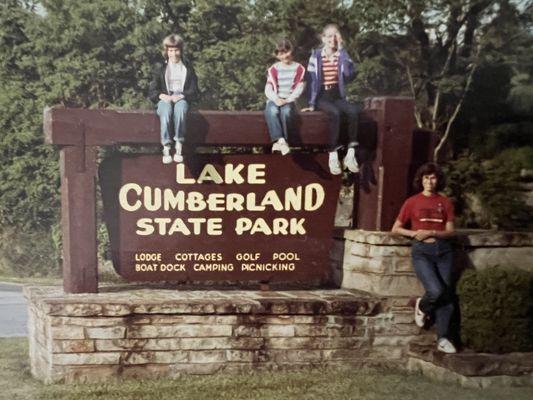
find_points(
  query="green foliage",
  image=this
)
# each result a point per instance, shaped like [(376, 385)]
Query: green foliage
[(488, 194), (521, 94), (100, 53), (521, 156), (30, 254), (497, 310), (507, 135), (233, 83)]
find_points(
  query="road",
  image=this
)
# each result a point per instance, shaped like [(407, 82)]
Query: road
[(13, 311)]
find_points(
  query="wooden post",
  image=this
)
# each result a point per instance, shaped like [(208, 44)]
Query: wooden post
[(395, 123), (78, 219)]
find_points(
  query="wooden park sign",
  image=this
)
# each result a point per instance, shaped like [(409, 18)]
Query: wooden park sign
[(219, 217), (236, 218)]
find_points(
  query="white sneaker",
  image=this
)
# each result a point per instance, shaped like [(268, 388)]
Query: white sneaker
[(177, 156), (334, 166), (446, 346), (420, 317), (351, 163), (284, 147), (167, 159), (281, 146)]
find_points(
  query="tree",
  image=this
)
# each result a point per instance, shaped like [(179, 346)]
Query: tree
[(440, 45)]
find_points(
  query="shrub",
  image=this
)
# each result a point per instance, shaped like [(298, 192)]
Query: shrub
[(488, 193), (497, 310), (33, 253)]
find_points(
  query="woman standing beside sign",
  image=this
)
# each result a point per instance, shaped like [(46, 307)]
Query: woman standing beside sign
[(427, 218), (174, 85)]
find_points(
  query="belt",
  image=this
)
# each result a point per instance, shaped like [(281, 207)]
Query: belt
[(329, 87)]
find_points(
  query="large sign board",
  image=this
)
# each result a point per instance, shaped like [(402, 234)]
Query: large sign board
[(239, 218)]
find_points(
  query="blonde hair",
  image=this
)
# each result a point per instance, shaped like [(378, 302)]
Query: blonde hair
[(330, 26), (173, 40)]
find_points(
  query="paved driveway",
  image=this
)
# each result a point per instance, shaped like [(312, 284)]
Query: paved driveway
[(13, 311)]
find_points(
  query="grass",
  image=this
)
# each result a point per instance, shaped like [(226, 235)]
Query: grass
[(17, 384)]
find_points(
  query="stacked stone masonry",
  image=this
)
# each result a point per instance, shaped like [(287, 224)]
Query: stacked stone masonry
[(380, 263), (152, 333)]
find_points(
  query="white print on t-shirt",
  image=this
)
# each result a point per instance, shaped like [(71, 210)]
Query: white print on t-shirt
[(431, 214)]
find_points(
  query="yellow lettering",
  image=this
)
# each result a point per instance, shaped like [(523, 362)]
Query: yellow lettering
[(242, 225), (180, 175), (271, 199), (123, 196), (172, 201), (314, 196), (195, 201), (152, 202), (233, 174), (256, 173), (293, 198), (209, 173), (214, 226), (145, 227)]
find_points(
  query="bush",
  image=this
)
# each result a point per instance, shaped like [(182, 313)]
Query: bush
[(30, 253), (488, 193), (497, 310)]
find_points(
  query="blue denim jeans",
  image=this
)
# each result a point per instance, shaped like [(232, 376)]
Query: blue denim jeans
[(279, 119), (433, 264), (338, 109), (175, 114)]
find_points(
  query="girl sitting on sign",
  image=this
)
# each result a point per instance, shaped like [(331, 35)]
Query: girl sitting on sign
[(329, 69), (173, 87), (285, 83)]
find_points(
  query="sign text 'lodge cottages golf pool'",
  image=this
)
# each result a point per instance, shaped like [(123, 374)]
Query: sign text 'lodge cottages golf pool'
[(221, 217)]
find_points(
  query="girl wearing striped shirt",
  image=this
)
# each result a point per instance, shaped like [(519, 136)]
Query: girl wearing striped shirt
[(285, 83), (329, 69)]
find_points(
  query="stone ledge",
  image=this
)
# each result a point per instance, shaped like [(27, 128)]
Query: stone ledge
[(371, 237), (112, 303), (394, 285), (465, 237), (483, 238), (445, 375), (469, 368)]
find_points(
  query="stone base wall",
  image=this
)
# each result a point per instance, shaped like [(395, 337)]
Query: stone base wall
[(376, 262), (149, 333), (154, 333), (380, 263)]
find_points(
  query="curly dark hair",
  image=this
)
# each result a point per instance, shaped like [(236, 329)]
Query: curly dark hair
[(428, 169)]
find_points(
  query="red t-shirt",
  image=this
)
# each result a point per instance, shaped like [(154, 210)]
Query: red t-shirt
[(426, 212)]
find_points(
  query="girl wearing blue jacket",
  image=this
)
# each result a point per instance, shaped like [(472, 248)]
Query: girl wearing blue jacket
[(329, 69)]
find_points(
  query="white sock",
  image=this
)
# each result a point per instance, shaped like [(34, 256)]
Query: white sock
[(178, 148), (281, 141), (166, 150), (333, 155)]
